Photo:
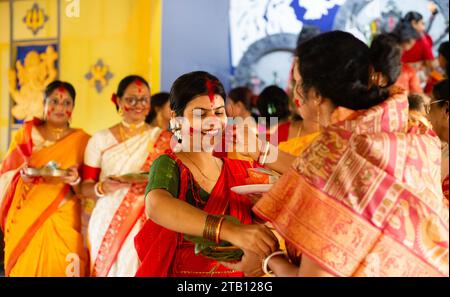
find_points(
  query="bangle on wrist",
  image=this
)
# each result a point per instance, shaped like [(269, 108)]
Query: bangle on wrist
[(219, 226), (98, 189), (76, 182), (212, 227), (265, 263)]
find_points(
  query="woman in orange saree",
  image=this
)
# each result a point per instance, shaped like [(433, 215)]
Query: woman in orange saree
[(115, 159), (364, 199), (189, 192), (41, 218)]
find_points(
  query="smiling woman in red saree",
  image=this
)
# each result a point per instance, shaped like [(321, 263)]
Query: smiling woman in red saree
[(189, 193), (166, 253)]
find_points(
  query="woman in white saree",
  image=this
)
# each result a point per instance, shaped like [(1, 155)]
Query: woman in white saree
[(115, 161)]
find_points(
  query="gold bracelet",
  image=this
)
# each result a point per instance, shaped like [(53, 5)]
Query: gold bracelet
[(98, 189), (219, 226)]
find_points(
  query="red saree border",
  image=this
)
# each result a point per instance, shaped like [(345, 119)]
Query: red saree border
[(22, 151), (6, 203)]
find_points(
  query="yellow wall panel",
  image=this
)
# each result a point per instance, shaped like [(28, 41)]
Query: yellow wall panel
[(118, 33)]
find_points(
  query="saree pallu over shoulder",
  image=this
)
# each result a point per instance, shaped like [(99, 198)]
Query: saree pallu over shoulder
[(28, 207), (19, 152), (165, 253), (130, 210), (21, 147), (364, 199)]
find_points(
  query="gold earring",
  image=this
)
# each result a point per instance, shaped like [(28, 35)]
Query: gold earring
[(120, 111)]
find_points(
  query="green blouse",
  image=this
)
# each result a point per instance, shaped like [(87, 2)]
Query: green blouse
[(165, 174)]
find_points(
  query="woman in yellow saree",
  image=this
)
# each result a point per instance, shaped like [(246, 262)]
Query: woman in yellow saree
[(41, 218), (364, 199)]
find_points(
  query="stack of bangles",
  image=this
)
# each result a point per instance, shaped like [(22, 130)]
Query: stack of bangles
[(212, 227), (98, 189)]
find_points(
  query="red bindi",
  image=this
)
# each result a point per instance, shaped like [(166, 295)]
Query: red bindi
[(211, 86), (139, 84)]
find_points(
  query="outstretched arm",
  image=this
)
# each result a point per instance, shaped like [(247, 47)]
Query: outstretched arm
[(180, 216)]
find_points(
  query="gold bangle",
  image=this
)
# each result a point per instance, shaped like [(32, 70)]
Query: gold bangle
[(100, 188), (219, 226)]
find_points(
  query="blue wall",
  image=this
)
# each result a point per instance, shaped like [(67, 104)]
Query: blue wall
[(195, 36)]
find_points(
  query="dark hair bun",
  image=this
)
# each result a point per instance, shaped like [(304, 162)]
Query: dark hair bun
[(337, 65)]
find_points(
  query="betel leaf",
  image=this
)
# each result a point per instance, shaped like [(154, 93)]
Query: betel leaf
[(208, 248)]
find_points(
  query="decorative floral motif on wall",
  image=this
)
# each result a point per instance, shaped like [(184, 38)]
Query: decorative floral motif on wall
[(99, 76)]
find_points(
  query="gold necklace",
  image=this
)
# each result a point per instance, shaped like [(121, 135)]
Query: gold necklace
[(133, 127), (201, 172), (57, 132), (124, 137)]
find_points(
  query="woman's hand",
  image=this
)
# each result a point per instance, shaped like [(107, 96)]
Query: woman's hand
[(111, 186), (72, 175), (257, 239), (26, 178), (250, 264)]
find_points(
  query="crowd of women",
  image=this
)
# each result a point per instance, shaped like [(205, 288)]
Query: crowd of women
[(361, 153)]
